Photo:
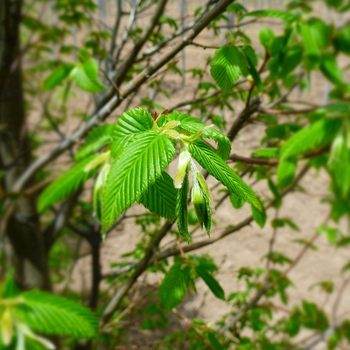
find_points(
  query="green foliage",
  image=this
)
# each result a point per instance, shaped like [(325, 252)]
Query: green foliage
[(174, 285), (67, 183), (139, 166), (210, 161), (97, 137), (23, 313)]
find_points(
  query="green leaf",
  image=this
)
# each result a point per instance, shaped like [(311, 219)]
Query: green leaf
[(259, 216), (267, 152), (339, 164), (160, 197), (9, 288), (174, 285), (236, 202), (311, 49), (130, 125), (320, 31), (66, 184), (97, 137), (57, 76), (211, 282), (181, 209), (313, 137), (330, 68), (275, 193), (227, 66), (193, 125), (286, 172), (54, 315), (138, 167), (86, 76), (342, 40), (210, 161), (266, 37), (291, 60), (286, 16), (252, 61)]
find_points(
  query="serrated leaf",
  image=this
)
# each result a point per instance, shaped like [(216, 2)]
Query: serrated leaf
[(210, 161), (211, 282), (181, 209), (97, 137), (286, 172), (313, 137), (130, 124), (174, 285), (138, 167), (286, 16), (58, 76), (66, 184), (193, 125), (160, 197), (86, 76), (54, 315), (331, 70), (227, 66), (310, 46)]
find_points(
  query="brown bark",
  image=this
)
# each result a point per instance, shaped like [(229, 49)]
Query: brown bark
[(22, 224)]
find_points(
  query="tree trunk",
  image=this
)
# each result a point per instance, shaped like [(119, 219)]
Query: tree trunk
[(22, 225)]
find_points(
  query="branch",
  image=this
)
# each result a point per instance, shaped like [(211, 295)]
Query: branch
[(142, 266), (132, 86), (243, 117)]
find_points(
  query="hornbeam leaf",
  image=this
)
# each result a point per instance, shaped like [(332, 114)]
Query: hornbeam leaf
[(313, 137), (130, 124), (58, 76), (67, 183), (50, 314), (138, 167), (160, 198), (86, 76), (227, 66), (97, 137), (211, 282), (174, 285), (210, 161)]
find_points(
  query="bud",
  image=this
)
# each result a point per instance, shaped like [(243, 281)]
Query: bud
[(182, 167), (6, 327), (98, 190)]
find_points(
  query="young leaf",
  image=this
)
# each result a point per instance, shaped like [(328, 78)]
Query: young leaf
[(210, 161), (86, 76), (174, 285), (181, 209), (313, 137), (227, 66), (97, 137), (236, 202), (138, 167), (211, 282), (160, 198), (310, 46), (330, 68), (342, 40), (193, 125), (54, 315), (130, 124), (286, 172), (66, 184), (57, 76)]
